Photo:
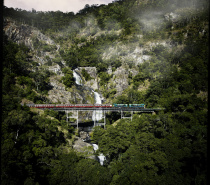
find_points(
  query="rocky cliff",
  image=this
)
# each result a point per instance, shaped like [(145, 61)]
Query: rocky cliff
[(46, 53), (34, 40)]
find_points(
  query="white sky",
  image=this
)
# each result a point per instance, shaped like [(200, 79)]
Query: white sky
[(53, 5)]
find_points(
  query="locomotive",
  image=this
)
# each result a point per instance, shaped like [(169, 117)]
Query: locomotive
[(49, 106)]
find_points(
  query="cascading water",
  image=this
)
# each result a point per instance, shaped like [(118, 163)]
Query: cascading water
[(101, 157), (77, 78), (95, 147), (97, 115)]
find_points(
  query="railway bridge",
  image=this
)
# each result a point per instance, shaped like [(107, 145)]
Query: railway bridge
[(103, 110)]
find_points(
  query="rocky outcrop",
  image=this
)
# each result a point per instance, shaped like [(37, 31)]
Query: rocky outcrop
[(33, 39), (58, 93), (92, 71), (56, 69), (121, 79), (19, 34), (76, 94), (23, 33), (79, 145), (42, 37), (84, 135), (84, 148)]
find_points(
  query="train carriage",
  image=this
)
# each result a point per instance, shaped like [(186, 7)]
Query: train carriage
[(137, 106), (31, 105), (44, 106), (65, 105), (106, 105), (120, 105), (102, 105), (84, 105), (48, 106)]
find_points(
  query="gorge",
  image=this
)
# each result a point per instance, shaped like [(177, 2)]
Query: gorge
[(127, 52)]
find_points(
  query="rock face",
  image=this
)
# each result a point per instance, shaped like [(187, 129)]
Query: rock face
[(24, 33), (84, 135), (56, 69), (85, 148), (92, 71), (59, 93), (121, 79), (19, 34), (33, 39), (79, 145), (43, 37)]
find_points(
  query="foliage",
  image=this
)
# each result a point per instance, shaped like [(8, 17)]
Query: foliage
[(68, 79), (86, 75), (169, 147)]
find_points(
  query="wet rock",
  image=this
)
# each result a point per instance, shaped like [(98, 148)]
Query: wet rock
[(92, 71), (85, 148), (84, 135)]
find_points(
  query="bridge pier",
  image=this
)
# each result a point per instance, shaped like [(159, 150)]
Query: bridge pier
[(72, 116), (95, 118), (122, 115), (103, 117)]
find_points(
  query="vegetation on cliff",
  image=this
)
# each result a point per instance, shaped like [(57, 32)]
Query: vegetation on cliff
[(162, 46)]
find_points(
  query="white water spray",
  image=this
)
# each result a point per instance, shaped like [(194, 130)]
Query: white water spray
[(77, 78), (95, 147), (101, 157), (97, 115)]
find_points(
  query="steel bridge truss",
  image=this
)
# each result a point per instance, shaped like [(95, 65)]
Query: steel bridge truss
[(74, 113)]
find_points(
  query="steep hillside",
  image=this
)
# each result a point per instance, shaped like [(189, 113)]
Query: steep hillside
[(110, 48), (130, 51)]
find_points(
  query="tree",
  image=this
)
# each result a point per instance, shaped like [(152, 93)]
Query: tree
[(68, 79), (86, 75)]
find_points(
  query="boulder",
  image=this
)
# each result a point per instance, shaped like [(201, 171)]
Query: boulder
[(84, 135), (85, 148)]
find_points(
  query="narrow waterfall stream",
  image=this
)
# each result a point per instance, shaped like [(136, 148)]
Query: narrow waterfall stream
[(77, 78), (101, 157), (97, 115)]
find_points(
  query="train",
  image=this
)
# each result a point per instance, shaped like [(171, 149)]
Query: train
[(129, 105), (51, 106)]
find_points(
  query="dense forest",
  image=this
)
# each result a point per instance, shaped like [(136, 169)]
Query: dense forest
[(169, 147)]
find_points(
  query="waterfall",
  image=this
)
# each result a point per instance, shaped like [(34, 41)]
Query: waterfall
[(101, 157), (97, 98), (95, 147), (77, 78), (97, 115)]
